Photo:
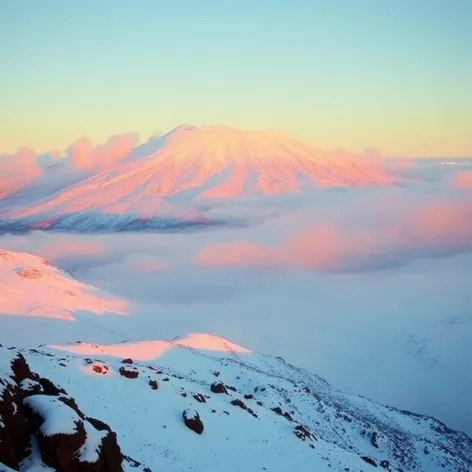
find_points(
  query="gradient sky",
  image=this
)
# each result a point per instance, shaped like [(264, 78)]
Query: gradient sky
[(391, 74)]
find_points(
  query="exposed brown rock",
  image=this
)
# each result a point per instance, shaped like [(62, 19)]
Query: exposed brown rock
[(303, 433), (129, 372), (199, 397), (218, 387), (192, 421), (20, 418), (242, 405)]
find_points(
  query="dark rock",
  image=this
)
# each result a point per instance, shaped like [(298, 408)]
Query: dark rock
[(230, 387), (71, 403), (153, 384), (166, 379), (303, 433), (50, 388), (374, 439), (248, 396), (22, 414), (279, 411), (127, 361), (218, 387), (199, 397), (14, 436), (183, 393), (192, 421), (20, 368), (216, 373), (369, 460), (385, 465), (242, 405), (129, 372), (98, 424), (57, 450)]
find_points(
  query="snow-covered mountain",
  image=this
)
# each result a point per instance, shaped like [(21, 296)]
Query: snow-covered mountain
[(164, 183), (200, 402), (192, 403), (31, 286)]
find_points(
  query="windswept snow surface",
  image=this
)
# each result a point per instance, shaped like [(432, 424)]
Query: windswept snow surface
[(251, 427), (31, 286)]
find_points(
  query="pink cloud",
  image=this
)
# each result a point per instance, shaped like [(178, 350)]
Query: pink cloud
[(81, 153), (150, 265), (17, 170), (427, 230), (85, 156), (462, 180), (320, 247)]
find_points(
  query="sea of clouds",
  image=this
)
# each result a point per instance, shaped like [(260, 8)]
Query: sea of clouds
[(369, 288)]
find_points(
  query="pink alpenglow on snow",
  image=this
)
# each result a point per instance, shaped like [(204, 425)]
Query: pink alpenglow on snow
[(149, 350), (31, 286), (207, 162)]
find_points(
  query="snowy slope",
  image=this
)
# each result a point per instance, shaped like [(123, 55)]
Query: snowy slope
[(160, 187), (30, 285), (273, 416)]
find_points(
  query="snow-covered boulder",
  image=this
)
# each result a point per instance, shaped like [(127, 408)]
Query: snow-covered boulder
[(192, 421)]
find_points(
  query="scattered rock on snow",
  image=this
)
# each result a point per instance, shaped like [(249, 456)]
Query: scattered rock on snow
[(192, 421), (130, 372), (153, 384), (218, 387), (302, 432), (369, 460), (199, 397)]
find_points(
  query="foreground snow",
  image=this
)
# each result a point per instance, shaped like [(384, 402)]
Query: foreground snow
[(270, 415)]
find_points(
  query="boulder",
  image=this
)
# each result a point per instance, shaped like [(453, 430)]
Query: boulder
[(192, 421), (218, 387)]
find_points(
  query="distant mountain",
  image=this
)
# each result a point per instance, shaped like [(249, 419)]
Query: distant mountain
[(31, 286), (200, 402), (164, 183)]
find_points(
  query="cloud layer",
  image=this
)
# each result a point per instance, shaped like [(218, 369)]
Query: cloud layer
[(369, 288)]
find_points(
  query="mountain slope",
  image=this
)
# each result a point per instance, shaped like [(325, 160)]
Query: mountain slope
[(258, 412), (158, 187), (31, 286)]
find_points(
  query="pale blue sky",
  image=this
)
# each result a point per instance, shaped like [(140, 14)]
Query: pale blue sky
[(393, 74)]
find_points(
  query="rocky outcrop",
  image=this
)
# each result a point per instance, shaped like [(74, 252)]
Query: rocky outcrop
[(303, 433), (34, 407), (192, 421)]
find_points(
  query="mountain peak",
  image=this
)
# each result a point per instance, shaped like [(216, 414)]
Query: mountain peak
[(191, 162)]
